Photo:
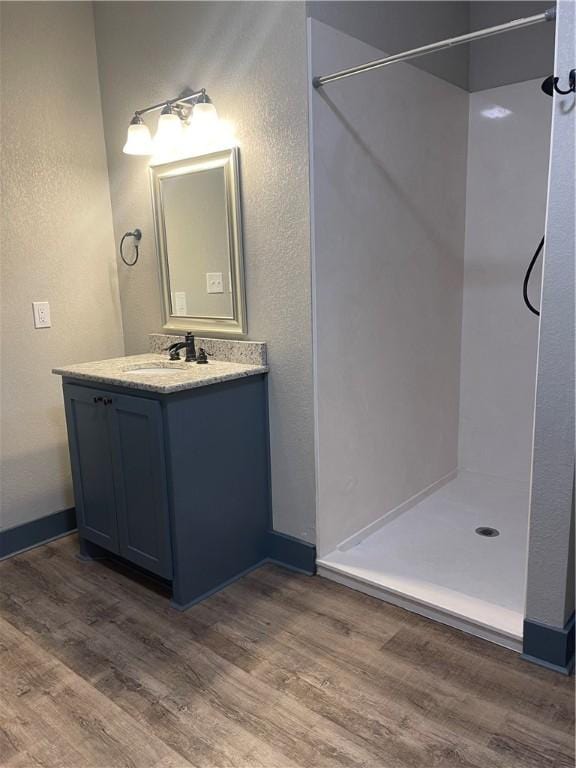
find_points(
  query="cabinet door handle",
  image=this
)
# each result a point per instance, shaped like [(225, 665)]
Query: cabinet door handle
[(98, 399), (107, 401)]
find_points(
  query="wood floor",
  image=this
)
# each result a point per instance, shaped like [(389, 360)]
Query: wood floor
[(278, 670)]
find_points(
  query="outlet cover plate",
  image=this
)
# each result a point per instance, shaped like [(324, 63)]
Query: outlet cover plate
[(41, 311), (214, 282)]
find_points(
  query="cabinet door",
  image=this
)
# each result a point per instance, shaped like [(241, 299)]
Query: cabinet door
[(91, 460), (140, 482)]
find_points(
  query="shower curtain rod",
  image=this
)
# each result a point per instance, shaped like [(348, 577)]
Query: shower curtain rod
[(548, 15)]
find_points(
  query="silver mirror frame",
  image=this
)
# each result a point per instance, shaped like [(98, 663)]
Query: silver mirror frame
[(228, 159)]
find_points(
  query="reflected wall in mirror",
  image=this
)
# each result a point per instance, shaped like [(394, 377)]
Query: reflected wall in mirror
[(198, 233)]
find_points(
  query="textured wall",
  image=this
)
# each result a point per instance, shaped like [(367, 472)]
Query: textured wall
[(251, 57), (505, 212), (57, 242), (550, 588), (389, 195)]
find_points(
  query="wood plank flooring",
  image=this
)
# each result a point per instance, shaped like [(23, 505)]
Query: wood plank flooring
[(276, 671)]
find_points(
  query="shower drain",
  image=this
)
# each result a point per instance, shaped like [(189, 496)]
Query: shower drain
[(484, 530)]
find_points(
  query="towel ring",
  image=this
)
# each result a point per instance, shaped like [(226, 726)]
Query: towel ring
[(137, 235)]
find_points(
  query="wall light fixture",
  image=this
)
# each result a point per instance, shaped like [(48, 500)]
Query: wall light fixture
[(186, 122)]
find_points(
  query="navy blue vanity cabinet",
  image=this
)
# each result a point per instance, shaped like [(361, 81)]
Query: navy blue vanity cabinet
[(137, 447), (177, 483), (91, 460), (117, 456)]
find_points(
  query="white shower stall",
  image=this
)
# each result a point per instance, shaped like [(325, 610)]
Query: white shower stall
[(428, 203)]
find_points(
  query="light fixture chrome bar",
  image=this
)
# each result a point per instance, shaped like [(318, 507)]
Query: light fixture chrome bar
[(528, 21), (171, 102)]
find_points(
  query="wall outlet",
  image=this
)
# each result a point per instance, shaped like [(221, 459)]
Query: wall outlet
[(41, 311), (214, 282)]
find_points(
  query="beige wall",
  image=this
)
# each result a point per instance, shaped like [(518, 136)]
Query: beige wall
[(57, 242), (251, 57)]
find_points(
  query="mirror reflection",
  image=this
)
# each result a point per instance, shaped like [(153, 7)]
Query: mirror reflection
[(197, 218), (198, 251)]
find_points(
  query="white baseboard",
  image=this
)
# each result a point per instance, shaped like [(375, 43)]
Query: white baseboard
[(372, 527)]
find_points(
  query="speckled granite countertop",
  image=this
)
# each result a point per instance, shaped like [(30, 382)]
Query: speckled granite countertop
[(231, 350), (171, 377)]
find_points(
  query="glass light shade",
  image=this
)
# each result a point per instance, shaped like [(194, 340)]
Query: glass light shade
[(168, 134), (204, 117), (138, 140)]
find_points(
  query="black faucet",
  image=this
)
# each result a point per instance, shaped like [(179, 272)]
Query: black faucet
[(187, 344)]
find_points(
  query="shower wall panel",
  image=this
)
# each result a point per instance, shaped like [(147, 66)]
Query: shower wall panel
[(388, 187), (508, 155)]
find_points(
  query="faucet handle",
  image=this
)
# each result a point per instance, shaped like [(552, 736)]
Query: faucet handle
[(202, 357), (174, 350)]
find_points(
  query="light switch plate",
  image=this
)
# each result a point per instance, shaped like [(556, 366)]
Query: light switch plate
[(214, 282), (180, 307), (41, 311)]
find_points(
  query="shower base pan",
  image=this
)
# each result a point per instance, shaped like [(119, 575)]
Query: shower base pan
[(430, 559)]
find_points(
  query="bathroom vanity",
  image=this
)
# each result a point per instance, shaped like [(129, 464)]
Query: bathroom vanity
[(170, 467), (170, 458)]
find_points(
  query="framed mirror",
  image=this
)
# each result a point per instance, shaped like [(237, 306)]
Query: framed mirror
[(196, 204)]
